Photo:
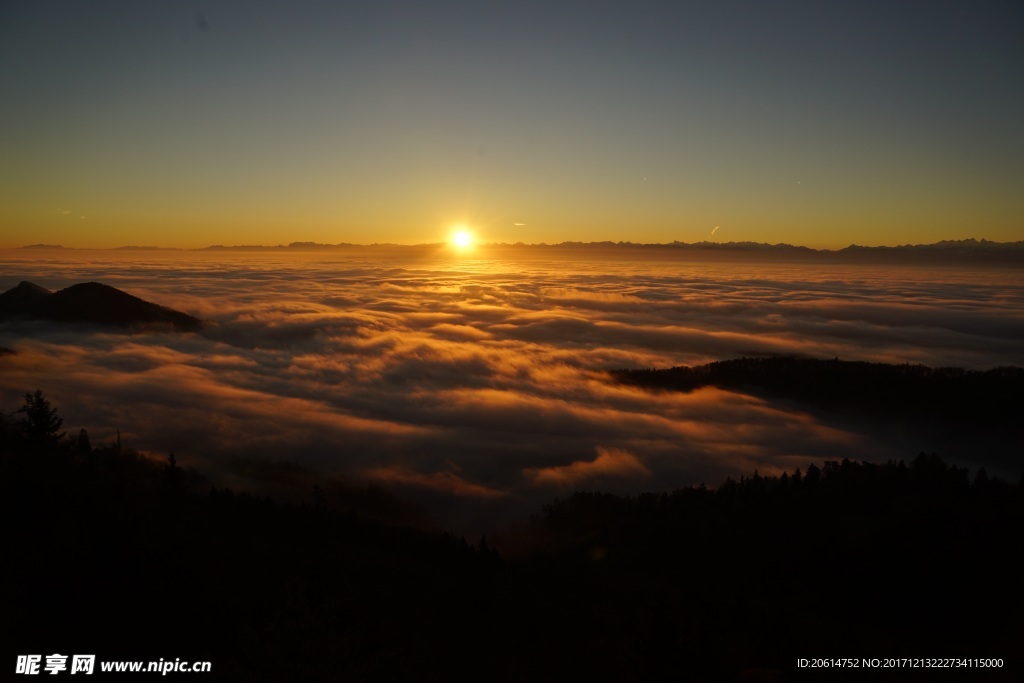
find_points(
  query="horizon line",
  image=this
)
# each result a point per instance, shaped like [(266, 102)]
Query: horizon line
[(568, 244)]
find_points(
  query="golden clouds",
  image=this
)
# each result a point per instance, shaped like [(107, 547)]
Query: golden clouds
[(609, 463), (487, 382)]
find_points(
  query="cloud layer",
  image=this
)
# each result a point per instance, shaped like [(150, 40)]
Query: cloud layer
[(484, 380)]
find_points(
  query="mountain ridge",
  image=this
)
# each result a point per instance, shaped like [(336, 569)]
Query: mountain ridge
[(970, 244), (952, 397), (89, 302)]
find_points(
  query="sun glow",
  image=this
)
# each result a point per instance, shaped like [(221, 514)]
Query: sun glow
[(462, 239)]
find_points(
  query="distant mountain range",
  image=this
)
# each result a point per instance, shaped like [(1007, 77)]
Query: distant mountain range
[(951, 251), (89, 302)]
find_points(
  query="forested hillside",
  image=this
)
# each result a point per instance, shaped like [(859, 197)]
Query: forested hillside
[(115, 554), (992, 398)]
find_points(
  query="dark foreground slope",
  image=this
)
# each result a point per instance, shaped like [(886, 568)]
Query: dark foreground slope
[(90, 302), (114, 555)]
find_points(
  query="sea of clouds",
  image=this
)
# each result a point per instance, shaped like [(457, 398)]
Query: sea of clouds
[(478, 388)]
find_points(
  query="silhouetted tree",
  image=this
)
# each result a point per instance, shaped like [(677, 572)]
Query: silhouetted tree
[(82, 444), (172, 473), (41, 423)]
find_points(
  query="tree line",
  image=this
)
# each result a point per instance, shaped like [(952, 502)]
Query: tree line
[(115, 553)]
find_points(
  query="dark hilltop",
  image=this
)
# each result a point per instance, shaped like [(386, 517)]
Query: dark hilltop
[(968, 413), (91, 303), (974, 398)]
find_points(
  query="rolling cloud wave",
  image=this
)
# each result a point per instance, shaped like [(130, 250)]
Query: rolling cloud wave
[(485, 380)]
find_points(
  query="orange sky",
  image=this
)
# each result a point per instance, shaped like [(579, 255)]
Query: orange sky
[(393, 122)]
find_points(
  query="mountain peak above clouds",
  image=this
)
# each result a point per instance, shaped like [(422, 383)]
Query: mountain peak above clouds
[(21, 299), (90, 302)]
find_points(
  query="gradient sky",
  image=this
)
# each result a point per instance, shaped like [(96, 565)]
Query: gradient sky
[(819, 123)]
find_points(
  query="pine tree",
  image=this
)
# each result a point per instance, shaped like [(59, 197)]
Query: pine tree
[(41, 423), (83, 445)]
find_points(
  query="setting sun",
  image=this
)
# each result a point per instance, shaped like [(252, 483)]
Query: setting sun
[(462, 239)]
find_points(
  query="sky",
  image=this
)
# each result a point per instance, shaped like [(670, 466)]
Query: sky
[(478, 389), (185, 124)]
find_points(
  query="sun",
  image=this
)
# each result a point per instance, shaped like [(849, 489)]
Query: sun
[(462, 239)]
